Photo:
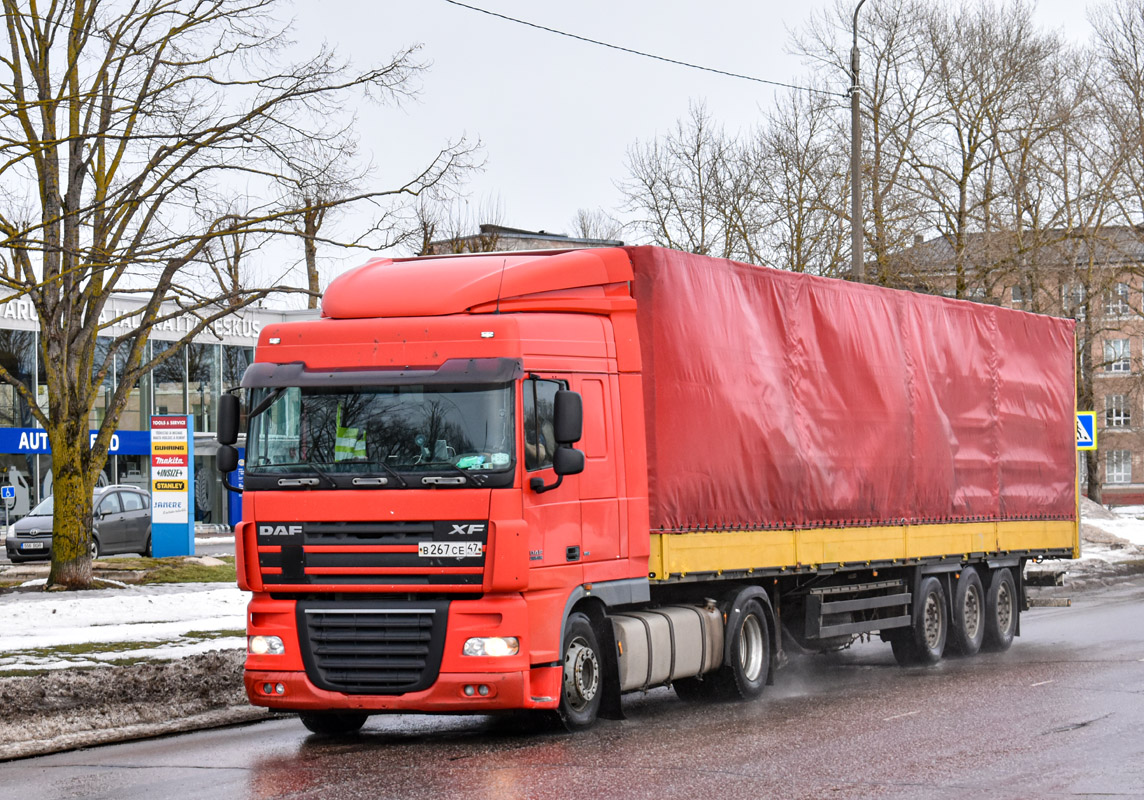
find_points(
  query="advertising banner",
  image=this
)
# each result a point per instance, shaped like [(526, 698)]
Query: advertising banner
[(172, 486)]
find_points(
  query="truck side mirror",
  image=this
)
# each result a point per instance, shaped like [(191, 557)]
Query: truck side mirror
[(226, 459), (567, 461), (227, 428), (568, 417)]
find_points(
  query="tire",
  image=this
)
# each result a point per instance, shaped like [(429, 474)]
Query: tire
[(923, 642), (698, 690), (582, 687), (749, 656), (147, 547), (333, 723), (967, 628), (1000, 612), (902, 642), (94, 548)]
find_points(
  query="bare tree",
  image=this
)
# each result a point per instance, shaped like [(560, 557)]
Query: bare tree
[(120, 124), (597, 224), (895, 108), (804, 167), (454, 226), (680, 188)]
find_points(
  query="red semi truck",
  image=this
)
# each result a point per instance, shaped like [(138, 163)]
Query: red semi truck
[(539, 480)]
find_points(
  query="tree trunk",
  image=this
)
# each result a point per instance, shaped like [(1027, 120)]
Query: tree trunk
[(71, 523)]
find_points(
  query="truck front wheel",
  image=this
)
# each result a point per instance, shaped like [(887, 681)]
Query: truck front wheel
[(1000, 611), (333, 723), (581, 689)]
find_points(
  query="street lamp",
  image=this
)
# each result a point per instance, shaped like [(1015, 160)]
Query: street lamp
[(857, 267)]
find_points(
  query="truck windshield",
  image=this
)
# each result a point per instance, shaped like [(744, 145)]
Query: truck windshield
[(400, 436)]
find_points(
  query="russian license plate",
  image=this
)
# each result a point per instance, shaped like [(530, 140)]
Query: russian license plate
[(32, 546), (448, 549)]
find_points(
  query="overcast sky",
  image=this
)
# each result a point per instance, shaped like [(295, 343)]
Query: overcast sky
[(556, 116)]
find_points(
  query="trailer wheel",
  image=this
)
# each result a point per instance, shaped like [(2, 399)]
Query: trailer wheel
[(333, 723), (745, 673), (582, 689), (968, 628), (924, 640), (1000, 611)]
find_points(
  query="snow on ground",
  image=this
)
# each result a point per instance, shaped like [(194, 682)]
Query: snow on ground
[(67, 629)]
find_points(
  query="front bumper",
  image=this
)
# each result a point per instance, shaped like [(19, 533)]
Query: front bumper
[(533, 689)]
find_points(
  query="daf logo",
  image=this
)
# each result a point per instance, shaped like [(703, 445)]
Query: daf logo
[(279, 530), (467, 530)]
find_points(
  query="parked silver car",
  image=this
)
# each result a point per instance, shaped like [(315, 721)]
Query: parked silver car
[(121, 523)]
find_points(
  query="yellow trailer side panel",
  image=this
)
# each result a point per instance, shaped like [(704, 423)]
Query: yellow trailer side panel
[(675, 554)]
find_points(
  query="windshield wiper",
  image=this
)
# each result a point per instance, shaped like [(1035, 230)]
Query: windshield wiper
[(466, 476), (388, 469), (302, 481)]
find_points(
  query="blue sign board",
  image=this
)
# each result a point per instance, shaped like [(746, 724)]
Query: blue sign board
[(1086, 430), (31, 441), (7, 492)]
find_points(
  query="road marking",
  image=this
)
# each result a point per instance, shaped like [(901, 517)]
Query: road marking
[(1042, 683), (899, 716)]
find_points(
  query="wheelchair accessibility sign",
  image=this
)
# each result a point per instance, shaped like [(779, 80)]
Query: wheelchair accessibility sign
[(1086, 430)]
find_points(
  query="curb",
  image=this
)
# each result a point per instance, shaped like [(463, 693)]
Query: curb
[(235, 715)]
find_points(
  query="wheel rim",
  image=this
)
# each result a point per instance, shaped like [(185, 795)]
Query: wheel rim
[(972, 611), (93, 549), (1004, 607), (581, 674), (933, 621), (751, 648)]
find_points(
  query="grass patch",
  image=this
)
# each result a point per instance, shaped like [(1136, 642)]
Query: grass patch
[(182, 570), (204, 635)]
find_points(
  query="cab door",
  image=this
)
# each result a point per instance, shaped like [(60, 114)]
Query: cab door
[(551, 514)]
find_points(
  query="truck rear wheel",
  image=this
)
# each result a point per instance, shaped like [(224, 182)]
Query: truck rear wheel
[(581, 689), (923, 642), (968, 628), (333, 723), (749, 657), (1000, 611)]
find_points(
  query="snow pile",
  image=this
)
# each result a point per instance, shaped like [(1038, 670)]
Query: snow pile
[(71, 629)]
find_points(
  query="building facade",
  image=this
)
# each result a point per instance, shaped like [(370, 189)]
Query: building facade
[(188, 382)]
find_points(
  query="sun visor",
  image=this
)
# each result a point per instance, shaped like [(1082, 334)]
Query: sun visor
[(453, 371)]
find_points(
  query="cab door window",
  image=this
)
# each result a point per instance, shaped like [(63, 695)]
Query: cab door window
[(539, 402)]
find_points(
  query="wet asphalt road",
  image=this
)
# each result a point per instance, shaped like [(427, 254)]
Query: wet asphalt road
[(1060, 715)]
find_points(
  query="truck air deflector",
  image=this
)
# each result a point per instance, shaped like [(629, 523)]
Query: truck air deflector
[(453, 371)]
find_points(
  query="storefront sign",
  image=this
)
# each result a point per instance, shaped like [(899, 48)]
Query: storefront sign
[(172, 486), (31, 441)]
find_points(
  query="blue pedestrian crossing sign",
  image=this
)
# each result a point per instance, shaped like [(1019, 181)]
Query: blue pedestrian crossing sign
[(1086, 430)]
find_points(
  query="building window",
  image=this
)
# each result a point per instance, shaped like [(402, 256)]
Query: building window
[(1117, 411), (1072, 300), (1116, 304), (1020, 296), (1117, 356), (1118, 468)]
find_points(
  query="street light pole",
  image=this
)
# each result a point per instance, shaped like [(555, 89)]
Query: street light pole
[(857, 266)]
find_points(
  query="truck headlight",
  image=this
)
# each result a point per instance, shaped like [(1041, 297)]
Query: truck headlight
[(265, 646), (492, 646)]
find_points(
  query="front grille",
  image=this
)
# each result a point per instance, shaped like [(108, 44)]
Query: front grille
[(371, 553), (372, 647)]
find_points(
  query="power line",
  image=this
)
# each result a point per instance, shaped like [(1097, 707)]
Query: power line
[(644, 55)]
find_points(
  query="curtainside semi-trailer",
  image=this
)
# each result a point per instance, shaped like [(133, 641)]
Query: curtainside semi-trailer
[(540, 480)]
